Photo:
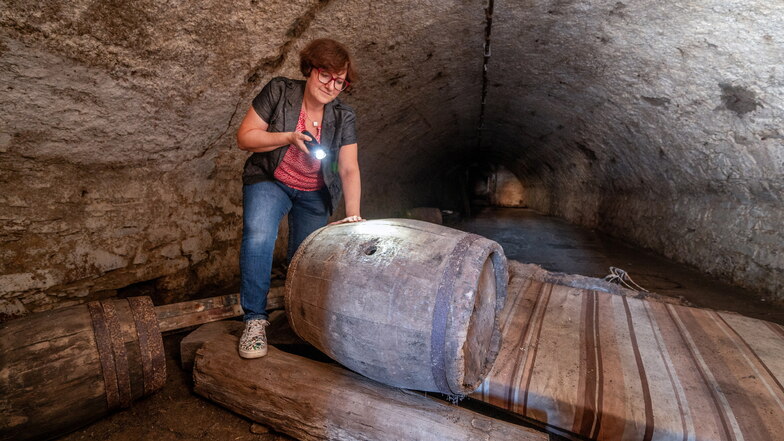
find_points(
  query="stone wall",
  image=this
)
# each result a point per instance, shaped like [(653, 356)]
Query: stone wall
[(119, 174), (658, 122), (119, 169)]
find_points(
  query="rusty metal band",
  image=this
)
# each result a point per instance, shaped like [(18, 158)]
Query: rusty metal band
[(120, 357), (105, 354), (150, 343), (441, 312)]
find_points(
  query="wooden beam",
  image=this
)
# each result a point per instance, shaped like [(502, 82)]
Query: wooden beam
[(196, 312), (310, 400)]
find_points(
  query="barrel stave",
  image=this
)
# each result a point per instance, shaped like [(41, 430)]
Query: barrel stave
[(52, 379), (362, 352), (329, 281), (364, 294)]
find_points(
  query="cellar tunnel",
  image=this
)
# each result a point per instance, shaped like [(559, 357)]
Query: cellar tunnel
[(659, 124)]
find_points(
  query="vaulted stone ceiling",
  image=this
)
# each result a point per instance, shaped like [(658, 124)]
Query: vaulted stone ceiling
[(120, 174), (661, 123)]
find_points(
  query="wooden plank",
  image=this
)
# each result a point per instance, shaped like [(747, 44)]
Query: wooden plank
[(608, 366), (310, 400), (196, 312)]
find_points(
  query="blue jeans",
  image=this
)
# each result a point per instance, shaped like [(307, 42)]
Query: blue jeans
[(264, 205)]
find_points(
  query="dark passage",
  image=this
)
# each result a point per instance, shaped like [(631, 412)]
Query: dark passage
[(556, 245)]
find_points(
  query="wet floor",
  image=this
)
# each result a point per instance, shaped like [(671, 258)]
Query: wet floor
[(557, 245)]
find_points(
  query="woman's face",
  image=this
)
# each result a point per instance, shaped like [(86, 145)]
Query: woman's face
[(323, 93)]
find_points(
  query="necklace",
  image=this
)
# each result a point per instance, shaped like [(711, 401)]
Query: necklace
[(308, 118)]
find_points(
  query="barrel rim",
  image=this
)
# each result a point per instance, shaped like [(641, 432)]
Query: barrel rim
[(485, 249)]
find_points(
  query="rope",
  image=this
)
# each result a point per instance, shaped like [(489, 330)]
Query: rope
[(621, 277)]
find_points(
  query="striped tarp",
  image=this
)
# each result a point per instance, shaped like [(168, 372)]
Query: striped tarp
[(613, 367)]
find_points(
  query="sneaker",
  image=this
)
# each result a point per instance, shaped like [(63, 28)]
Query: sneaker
[(253, 343)]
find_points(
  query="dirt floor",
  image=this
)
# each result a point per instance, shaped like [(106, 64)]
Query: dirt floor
[(176, 413)]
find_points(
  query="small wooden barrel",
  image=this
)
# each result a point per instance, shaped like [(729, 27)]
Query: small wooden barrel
[(65, 368), (407, 303)]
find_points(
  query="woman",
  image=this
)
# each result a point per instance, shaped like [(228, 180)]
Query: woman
[(283, 177)]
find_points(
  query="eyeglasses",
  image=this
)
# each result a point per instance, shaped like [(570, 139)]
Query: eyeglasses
[(325, 77)]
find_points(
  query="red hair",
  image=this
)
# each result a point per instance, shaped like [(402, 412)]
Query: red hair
[(327, 54)]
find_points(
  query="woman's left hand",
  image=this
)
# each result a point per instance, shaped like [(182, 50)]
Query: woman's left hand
[(349, 220)]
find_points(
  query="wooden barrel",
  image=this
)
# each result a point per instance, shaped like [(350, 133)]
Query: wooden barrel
[(65, 368), (407, 303)]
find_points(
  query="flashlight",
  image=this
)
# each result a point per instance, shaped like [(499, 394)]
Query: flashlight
[(315, 149)]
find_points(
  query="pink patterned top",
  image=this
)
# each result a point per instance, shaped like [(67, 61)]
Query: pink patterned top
[(298, 169)]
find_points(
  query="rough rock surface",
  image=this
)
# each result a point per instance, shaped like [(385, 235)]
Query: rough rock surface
[(657, 122), (120, 170)]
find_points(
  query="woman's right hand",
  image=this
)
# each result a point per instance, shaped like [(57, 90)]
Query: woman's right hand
[(298, 139)]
